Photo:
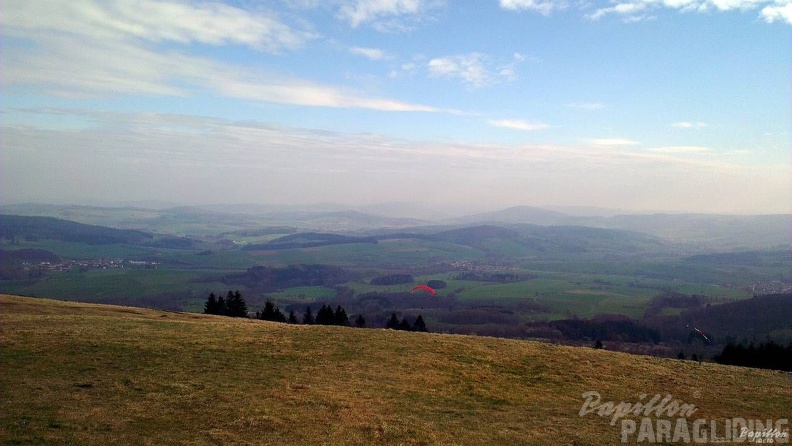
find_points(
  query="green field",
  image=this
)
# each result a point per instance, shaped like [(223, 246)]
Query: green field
[(93, 374)]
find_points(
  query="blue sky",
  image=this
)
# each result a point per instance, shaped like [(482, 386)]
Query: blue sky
[(649, 105)]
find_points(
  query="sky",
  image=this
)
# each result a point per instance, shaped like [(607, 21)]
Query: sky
[(647, 105)]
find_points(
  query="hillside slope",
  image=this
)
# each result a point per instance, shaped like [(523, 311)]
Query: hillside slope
[(93, 374)]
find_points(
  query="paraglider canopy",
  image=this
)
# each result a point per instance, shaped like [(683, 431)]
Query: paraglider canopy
[(426, 288)]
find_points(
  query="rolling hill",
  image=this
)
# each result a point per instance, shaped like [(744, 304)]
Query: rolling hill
[(93, 374)]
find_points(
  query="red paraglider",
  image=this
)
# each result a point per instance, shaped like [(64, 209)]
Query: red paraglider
[(424, 287)]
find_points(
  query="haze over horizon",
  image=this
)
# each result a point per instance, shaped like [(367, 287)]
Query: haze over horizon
[(643, 105)]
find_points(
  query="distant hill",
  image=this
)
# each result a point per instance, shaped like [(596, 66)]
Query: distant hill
[(96, 374), (712, 231), (516, 214), (16, 226), (308, 240), (555, 241), (753, 319), (699, 232)]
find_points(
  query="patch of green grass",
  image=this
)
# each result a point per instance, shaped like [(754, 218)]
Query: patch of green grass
[(123, 283)]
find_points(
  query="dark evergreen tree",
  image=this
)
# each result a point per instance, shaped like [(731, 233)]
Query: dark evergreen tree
[(419, 324), (360, 321), (404, 325), (292, 317), (393, 322), (340, 317), (271, 313), (325, 315), (222, 307), (598, 344), (308, 317), (236, 306), (211, 304)]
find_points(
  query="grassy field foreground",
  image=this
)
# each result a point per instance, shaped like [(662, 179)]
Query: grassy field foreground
[(75, 373)]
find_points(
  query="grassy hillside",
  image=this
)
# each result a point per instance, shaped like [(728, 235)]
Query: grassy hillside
[(91, 374)]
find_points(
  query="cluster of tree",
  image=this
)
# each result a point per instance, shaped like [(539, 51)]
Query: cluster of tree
[(673, 299), (607, 330), (752, 318), (436, 284), (325, 316), (394, 324), (766, 355), (392, 279), (172, 243), (232, 305), (269, 279), (273, 313), (24, 263)]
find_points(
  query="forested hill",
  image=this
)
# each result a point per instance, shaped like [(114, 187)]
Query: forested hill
[(31, 228)]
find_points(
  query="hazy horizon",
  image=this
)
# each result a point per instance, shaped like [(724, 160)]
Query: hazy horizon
[(390, 209), (620, 104)]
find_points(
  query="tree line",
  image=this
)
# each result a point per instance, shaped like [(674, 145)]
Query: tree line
[(766, 355), (234, 305), (394, 324)]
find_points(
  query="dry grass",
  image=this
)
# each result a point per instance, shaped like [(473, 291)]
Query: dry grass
[(89, 374)]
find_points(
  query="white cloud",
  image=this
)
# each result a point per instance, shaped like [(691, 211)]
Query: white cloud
[(630, 12), (518, 124), (509, 70), (474, 69), (156, 21), (781, 11), (468, 67), (542, 7), (689, 125), (638, 10), (385, 14), (680, 149), (369, 53), (612, 142), (406, 69), (88, 52), (586, 105)]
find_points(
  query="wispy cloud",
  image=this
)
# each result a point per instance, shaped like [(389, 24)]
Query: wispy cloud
[(474, 69), (543, 7), (518, 124), (680, 150), (154, 21), (612, 142), (386, 15), (638, 10), (689, 125), (509, 71), (586, 105), (468, 67), (85, 51), (369, 53), (171, 156)]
